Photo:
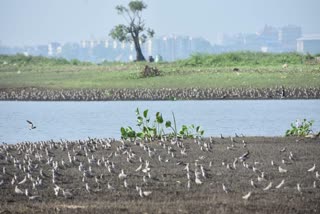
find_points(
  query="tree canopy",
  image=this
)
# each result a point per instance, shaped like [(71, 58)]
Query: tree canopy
[(134, 30)]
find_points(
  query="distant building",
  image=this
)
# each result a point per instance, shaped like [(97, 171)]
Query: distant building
[(54, 48), (309, 44), (288, 36)]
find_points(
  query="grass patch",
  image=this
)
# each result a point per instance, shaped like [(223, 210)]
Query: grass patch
[(203, 71)]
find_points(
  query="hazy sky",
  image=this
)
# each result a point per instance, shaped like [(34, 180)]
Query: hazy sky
[(29, 22)]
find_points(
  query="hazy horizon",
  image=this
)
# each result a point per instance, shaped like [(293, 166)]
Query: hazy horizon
[(35, 22)]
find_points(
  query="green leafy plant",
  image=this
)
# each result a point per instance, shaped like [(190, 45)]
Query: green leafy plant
[(300, 128), (156, 129)]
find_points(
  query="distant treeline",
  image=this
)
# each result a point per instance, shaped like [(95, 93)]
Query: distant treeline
[(217, 60)]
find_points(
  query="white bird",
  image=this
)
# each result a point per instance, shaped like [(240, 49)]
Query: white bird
[(299, 187), (87, 188), (281, 170), (268, 187), (247, 196), (198, 181), (18, 191), (260, 179), (189, 184), (34, 197), (314, 184), (272, 163), (312, 168), (122, 175), (147, 193), (225, 188), (317, 175), (56, 190), (283, 149), (280, 185), (125, 183), (110, 187), (186, 167), (252, 183), (23, 181), (139, 168), (1, 182)]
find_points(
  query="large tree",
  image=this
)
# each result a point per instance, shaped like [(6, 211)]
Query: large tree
[(135, 30)]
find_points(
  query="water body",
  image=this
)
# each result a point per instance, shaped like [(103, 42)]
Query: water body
[(80, 120)]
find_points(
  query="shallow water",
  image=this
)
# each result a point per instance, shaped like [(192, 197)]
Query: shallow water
[(79, 120)]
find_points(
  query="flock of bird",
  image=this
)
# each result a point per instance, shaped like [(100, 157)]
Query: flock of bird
[(66, 169)]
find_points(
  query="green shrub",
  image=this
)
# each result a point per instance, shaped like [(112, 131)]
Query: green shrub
[(300, 128), (243, 59), (156, 130)]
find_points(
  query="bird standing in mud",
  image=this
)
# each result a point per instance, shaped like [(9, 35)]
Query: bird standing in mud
[(32, 126)]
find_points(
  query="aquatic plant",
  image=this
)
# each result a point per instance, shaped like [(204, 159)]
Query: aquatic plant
[(156, 129), (300, 128)]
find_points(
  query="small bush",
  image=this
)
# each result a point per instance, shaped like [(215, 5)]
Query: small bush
[(300, 128)]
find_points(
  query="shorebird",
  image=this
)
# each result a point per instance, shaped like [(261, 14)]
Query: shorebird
[(139, 168), (125, 183), (312, 168), (299, 187), (281, 170), (247, 196), (56, 190), (122, 175), (244, 156), (283, 149), (87, 188), (34, 197), (110, 187), (18, 191), (186, 167), (268, 187), (252, 183), (197, 180), (280, 185), (31, 125), (23, 181), (225, 188), (143, 193)]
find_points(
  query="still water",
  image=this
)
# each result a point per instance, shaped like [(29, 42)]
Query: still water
[(80, 120)]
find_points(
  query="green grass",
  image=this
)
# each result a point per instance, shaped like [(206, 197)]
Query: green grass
[(17, 71)]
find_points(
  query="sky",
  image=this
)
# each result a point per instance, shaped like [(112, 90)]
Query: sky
[(34, 22)]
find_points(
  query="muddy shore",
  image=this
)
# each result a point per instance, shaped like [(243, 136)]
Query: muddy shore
[(40, 94), (165, 186)]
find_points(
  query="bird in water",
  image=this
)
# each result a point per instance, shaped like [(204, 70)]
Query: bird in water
[(32, 126)]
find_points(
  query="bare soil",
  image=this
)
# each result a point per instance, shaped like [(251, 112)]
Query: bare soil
[(168, 181)]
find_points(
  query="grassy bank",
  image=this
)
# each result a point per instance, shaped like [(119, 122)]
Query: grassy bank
[(256, 70)]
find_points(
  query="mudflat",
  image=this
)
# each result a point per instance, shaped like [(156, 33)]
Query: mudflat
[(259, 175)]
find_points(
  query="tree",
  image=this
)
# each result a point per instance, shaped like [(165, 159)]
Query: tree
[(135, 30)]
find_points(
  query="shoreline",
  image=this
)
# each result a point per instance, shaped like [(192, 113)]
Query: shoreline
[(44, 94)]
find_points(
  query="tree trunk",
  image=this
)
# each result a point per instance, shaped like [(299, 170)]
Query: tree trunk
[(139, 55)]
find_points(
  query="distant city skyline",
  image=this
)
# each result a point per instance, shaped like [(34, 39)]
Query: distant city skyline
[(36, 22)]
